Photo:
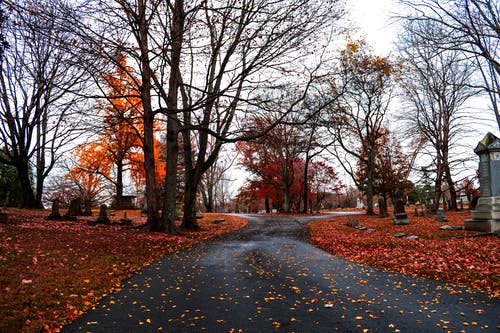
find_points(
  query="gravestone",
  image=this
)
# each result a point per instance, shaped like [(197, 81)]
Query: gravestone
[(382, 206), (124, 202), (125, 220), (54, 214), (400, 216), (440, 217), (74, 209), (486, 215), (103, 214), (352, 222), (87, 203), (359, 203), (450, 227)]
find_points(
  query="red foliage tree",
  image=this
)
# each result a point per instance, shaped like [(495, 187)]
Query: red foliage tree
[(267, 180), (391, 167)]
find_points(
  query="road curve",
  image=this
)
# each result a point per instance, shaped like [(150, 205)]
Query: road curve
[(268, 278)]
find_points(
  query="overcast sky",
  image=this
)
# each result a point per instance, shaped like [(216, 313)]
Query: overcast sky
[(373, 18)]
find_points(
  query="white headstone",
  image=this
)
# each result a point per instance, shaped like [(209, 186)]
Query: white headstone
[(359, 204)]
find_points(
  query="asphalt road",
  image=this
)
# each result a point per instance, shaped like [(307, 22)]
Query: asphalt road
[(267, 278)]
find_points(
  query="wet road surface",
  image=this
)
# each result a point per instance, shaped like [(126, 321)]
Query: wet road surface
[(267, 278)]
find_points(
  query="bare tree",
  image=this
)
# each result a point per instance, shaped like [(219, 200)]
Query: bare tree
[(201, 66), (38, 106), (358, 117), (476, 31), (214, 181), (236, 51), (3, 41), (437, 84), (315, 139)]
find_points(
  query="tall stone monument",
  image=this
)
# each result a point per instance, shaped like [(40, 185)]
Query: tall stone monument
[(486, 216)]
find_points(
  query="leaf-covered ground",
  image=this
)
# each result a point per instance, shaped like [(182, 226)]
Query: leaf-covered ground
[(52, 271), (438, 254)]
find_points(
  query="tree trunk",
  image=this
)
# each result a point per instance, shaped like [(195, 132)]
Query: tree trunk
[(148, 118), (451, 188), (286, 199), (40, 157), (439, 180), (305, 185), (119, 182), (453, 198), (437, 194), (382, 205), (29, 200), (210, 194), (40, 168), (39, 187), (210, 208), (189, 220), (285, 175), (176, 33), (170, 186), (266, 203), (208, 200), (369, 184), (149, 167)]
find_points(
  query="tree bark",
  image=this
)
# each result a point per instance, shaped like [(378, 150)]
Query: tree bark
[(148, 118), (29, 200), (119, 181), (369, 183), (286, 190), (149, 166), (451, 188), (305, 185), (177, 33), (189, 220), (267, 205)]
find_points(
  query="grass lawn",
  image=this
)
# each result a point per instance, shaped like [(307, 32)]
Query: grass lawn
[(53, 271), (446, 256)]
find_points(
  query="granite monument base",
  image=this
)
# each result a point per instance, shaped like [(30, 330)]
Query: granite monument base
[(486, 216)]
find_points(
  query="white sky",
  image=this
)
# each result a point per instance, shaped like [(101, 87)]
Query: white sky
[(373, 17)]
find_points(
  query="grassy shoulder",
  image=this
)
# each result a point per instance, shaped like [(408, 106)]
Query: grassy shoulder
[(449, 256), (53, 271)]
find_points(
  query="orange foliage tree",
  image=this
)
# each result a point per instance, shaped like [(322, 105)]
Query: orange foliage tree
[(118, 147)]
